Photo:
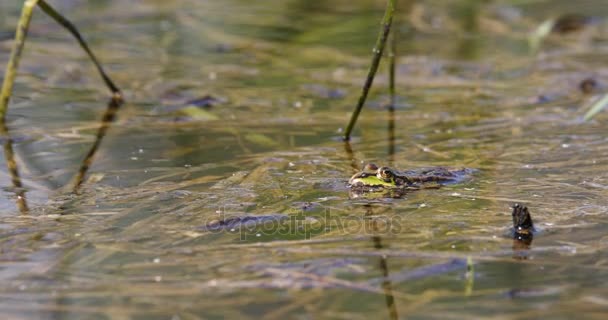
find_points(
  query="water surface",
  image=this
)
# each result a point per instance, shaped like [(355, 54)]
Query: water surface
[(135, 242)]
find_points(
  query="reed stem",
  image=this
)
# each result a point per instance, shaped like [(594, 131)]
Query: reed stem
[(72, 29), (378, 49), (13, 63)]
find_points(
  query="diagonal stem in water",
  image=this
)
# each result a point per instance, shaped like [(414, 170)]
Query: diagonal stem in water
[(13, 62), (11, 163), (378, 49), (72, 29), (19, 43), (107, 119)]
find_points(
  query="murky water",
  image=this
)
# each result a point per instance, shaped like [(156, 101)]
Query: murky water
[(241, 210)]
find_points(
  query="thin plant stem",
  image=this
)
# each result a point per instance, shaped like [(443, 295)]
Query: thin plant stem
[(378, 49), (387, 285), (108, 117), (596, 106), (355, 164), (13, 170), (72, 29), (392, 57), (391, 135), (13, 63), (470, 277), (19, 43)]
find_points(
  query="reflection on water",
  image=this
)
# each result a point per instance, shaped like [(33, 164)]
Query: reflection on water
[(108, 117), (13, 170), (133, 242), (383, 263)]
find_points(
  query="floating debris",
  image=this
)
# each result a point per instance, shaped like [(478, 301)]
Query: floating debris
[(523, 231), (523, 227)]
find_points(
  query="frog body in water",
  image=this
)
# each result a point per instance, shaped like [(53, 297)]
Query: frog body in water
[(374, 178)]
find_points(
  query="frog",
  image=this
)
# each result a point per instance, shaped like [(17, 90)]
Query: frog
[(374, 178)]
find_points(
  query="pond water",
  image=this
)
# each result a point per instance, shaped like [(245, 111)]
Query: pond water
[(241, 209)]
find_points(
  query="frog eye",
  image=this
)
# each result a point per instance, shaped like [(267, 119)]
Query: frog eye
[(386, 172)]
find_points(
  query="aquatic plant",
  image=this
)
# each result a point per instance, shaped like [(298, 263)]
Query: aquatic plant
[(385, 29), (19, 43)]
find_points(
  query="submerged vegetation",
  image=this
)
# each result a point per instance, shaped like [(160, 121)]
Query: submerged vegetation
[(219, 187)]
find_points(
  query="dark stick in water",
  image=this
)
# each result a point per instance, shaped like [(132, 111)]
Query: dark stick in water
[(387, 285), (378, 49), (107, 119), (351, 156), (11, 163), (523, 231)]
